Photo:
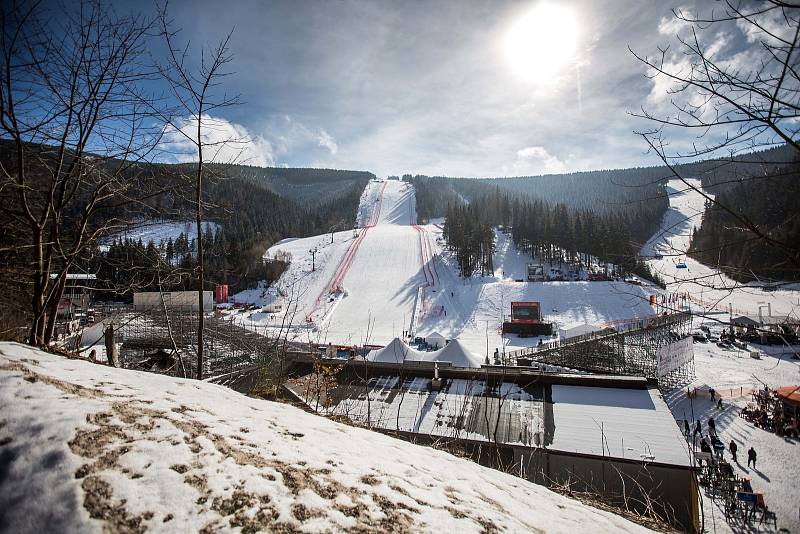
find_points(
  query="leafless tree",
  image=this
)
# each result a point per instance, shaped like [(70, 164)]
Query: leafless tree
[(734, 103), (76, 126), (196, 89)]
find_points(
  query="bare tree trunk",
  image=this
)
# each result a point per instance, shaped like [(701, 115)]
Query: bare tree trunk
[(200, 255), (111, 347), (52, 313)]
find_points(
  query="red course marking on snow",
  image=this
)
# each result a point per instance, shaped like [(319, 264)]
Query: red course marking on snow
[(426, 257), (336, 280)]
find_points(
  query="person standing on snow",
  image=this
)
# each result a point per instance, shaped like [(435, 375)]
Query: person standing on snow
[(686, 429), (751, 457), (712, 426), (698, 430), (733, 447)]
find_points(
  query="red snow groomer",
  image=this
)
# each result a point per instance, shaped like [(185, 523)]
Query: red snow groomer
[(526, 320)]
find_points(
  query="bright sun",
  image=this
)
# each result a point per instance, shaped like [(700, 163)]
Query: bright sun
[(542, 42)]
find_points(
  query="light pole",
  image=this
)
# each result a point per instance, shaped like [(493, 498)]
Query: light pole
[(313, 253)]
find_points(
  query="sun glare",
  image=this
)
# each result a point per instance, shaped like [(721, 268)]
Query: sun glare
[(543, 42)]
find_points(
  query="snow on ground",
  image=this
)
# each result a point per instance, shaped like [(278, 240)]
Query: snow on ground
[(731, 372), (734, 374), (475, 307), (88, 448), (157, 231), (391, 275), (672, 241), (775, 473)]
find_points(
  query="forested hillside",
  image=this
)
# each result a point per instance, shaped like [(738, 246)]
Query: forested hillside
[(611, 213), (252, 217), (607, 214), (770, 203), (315, 186), (250, 214), (549, 231)]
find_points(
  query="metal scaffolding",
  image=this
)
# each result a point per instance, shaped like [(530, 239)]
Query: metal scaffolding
[(228, 347), (635, 351)]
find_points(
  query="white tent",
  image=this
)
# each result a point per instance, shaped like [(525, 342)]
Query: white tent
[(454, 352), (394, 352)]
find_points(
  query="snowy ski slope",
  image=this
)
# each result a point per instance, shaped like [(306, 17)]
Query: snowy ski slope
[(390, 275), (672, 241)]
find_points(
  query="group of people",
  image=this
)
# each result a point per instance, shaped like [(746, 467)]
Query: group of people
[(713, 444), (769, 414)]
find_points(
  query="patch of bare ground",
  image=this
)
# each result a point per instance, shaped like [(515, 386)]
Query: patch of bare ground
[(370, 480), (248, 511), (99, 502)]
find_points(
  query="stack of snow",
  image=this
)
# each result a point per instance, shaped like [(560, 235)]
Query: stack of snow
[(89, 448), (454, 352)]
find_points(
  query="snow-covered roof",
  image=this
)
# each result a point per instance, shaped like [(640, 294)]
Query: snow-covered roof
[(624, 423)]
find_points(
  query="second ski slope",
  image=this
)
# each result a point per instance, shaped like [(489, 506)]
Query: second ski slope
[(709, 289)]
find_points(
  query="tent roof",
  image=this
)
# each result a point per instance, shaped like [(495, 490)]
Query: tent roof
[(790, 394), (454, 352)]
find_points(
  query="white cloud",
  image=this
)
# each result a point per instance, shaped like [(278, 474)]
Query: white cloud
[(325, 140), (681, 65), (225, 142), (672, 25), (534, 160), (775, 27)]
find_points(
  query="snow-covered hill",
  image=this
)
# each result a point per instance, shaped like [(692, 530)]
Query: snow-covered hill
[(672, 242), (88, 448), (390, 275)]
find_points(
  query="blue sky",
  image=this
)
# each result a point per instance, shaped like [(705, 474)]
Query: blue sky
[(426, 86)]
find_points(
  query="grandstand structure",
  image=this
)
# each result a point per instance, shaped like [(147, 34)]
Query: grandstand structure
[(658, 348)]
